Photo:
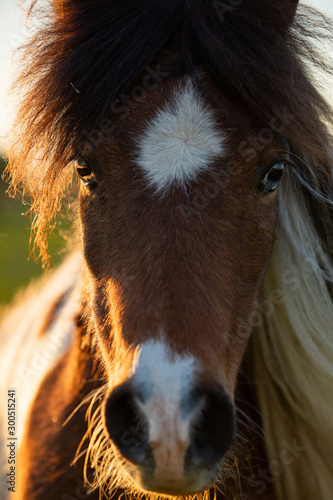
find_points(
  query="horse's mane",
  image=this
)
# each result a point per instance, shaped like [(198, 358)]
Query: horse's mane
[(86, 53)]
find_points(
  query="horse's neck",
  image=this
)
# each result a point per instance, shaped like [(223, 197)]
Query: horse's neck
[(36, 332), (59, 395)]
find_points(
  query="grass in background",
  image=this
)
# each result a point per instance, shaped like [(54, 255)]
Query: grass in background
[(16, 268)]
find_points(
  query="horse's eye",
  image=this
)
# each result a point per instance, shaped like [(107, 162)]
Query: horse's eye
[(85, 173), (272, 179)]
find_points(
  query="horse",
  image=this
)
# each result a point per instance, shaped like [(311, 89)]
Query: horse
[(184, 348)]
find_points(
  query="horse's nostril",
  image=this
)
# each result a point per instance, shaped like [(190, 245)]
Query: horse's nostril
[(213, 431), (126, 425)]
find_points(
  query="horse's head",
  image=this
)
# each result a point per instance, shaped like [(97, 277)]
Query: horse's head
[(178, 209), (180, 115)]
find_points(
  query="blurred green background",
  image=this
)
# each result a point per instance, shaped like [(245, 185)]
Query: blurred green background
[(16, 268)]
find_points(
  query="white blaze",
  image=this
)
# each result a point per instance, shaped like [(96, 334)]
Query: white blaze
[(166, 377), (181, 141)]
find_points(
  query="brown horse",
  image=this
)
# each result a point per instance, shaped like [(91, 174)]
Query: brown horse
[(188, 350)]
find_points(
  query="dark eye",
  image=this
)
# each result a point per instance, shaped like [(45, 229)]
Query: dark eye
[(272, 179), (84, 172)]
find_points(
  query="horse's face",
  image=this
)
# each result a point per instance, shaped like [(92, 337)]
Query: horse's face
[(178, 210)]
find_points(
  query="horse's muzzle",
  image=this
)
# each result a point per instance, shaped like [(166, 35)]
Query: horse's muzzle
[(173, 446)]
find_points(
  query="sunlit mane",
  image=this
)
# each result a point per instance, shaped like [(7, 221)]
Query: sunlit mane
[(293, 352)]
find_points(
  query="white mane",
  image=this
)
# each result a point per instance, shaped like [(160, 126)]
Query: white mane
[(293, 357)]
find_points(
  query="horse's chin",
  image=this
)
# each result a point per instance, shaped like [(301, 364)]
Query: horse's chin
[(195, 482)]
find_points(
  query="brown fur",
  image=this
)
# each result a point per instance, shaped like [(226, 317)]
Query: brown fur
[(150, 287)]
